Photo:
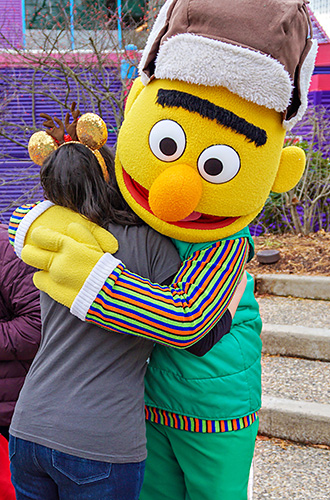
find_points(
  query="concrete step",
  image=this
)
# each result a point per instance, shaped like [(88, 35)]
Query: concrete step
[(294, 311), (296, 327), (311, 287), (296, 400), (297, 341), (284, 471)]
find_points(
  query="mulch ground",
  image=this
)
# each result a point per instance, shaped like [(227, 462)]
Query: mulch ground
[(305, 255)]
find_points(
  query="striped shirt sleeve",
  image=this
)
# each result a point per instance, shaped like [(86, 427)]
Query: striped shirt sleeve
[(177, 315), (15, 220)]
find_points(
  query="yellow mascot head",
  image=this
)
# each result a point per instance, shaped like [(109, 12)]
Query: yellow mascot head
[(201, 146)]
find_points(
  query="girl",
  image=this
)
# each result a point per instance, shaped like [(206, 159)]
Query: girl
[(78, 431)]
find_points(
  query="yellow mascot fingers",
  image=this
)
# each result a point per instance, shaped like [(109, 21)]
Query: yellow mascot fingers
[(43, 282), (66, 262), (106, 240), (59, 219), (82, 234), (48, 242), (36, 257), (47, 238)]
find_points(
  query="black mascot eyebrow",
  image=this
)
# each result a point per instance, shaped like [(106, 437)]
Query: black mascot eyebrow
[(206, 109)]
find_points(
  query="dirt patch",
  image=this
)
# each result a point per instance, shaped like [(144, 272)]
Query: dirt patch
[(306, 255)]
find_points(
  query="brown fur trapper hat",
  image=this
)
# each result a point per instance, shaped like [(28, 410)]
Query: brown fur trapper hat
[(261, 50)]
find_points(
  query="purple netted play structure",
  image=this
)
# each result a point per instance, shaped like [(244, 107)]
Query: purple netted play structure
[(18, 176)]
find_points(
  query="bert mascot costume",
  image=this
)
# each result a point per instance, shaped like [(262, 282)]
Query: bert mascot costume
[(199, 151)]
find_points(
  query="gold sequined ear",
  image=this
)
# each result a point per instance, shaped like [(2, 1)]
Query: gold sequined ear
[(102, 164), (92, 131), (40, 146)]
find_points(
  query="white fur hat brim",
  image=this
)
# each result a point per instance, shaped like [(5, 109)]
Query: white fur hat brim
[(200, 60), (253, 76)]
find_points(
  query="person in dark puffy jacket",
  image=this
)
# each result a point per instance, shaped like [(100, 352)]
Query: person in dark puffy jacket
[(20, 327)]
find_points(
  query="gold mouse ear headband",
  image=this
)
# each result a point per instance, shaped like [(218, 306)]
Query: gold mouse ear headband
[(89, 130)]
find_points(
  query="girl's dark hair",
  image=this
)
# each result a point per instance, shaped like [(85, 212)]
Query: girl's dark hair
[(72, 177)]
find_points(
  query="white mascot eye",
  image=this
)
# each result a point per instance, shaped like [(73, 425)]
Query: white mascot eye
[(167, 140), (218, 164)]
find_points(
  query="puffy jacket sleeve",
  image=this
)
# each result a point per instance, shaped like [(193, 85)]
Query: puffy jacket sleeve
[(20, 323)]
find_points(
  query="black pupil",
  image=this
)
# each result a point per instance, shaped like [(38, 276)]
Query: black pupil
[(168, 146), (213, 166)]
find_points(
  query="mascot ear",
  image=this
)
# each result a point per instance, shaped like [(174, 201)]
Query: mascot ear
[(292, 165), (136, 88)]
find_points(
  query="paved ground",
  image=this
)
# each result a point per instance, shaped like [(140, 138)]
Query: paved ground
[(287, 471)]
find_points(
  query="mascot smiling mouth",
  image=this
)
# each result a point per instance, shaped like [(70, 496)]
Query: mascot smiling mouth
[(195, 220)]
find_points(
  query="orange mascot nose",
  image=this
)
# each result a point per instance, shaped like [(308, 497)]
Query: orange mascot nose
[(175, 193)]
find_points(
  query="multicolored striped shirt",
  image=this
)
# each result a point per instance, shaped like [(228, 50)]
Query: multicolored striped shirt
[(15, 220), (177, 315), (191, 424)]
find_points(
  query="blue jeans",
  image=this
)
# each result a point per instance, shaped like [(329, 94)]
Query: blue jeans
[(41, 473)]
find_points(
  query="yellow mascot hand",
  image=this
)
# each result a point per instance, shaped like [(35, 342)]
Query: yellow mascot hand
[(59, 219), (66, 261)]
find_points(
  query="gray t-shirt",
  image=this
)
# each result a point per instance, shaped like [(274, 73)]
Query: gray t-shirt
[(84, 393)]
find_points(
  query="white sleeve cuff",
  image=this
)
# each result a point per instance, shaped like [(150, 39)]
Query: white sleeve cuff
[(93, 285), (26, 222)]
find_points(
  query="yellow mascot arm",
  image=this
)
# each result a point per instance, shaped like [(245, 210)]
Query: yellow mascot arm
[(79, 267), (62, 221)]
